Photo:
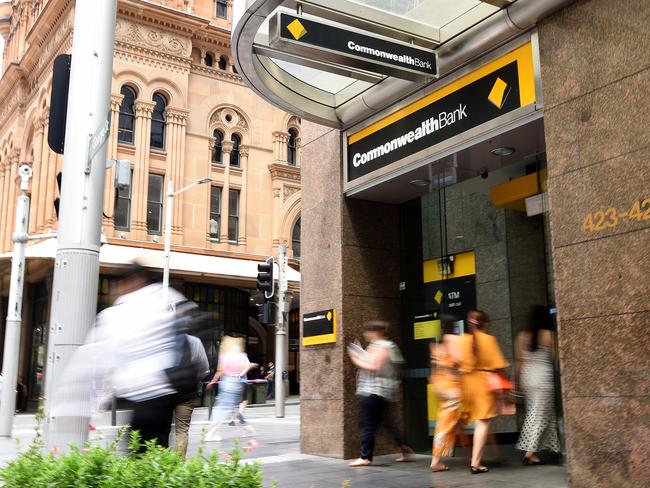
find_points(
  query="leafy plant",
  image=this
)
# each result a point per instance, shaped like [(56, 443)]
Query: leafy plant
[(104, 467)]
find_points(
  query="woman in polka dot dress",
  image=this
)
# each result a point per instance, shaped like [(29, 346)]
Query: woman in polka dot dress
[(534, 368)]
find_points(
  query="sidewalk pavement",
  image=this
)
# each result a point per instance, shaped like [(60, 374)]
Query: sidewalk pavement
[(278, 452)]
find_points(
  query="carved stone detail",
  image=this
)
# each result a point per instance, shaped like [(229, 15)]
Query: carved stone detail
[(288, 191), (284, 172), (143, 108), (136, 34), (116, 101), (176, 115), (221, 116)]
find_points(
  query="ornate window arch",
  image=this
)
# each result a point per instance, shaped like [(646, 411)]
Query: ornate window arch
[(158, 122), (230, 120), (126, 124), (218, 136), (295, 239), (208, 59), (223, 63), (292, 147), (236, 145)]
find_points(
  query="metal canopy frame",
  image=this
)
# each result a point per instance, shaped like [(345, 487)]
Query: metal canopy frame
[(360, 100)]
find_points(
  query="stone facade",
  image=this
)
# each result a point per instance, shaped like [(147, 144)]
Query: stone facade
[(596, 81), (181, 51), (158, 49)]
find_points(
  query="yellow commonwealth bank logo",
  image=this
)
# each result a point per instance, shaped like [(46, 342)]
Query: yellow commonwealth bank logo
[(329, 315), (499, 93), (297, 29)]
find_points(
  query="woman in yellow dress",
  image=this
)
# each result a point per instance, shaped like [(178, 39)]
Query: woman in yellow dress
[(445, 358), (481, 356)]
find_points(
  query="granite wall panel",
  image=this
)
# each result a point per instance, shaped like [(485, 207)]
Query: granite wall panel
[(596, 80)]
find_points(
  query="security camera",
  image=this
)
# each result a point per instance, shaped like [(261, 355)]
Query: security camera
[(25, 171), (484, 172)]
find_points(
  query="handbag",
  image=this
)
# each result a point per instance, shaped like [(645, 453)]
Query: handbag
[(496, 382)]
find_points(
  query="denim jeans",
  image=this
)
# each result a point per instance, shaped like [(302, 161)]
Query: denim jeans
[(374, 409), (230, 392)]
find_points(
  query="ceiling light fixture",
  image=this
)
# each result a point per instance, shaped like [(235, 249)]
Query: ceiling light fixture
[(503, 151), (419, 182)]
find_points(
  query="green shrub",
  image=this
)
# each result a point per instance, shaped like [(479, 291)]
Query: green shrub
[(104, 467)]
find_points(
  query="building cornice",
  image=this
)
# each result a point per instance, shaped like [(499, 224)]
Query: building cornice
[(162, 16), (217, 73), (284, 172)]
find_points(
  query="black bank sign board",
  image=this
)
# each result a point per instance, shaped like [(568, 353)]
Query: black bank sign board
[(319, 327), (345, 46), (478, 97)]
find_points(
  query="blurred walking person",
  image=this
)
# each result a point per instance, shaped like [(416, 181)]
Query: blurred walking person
[(233, 366), (139, 340), (270, 381), (241, 409), (534, 372), (183, 410), (481, 360), (446, 359), (378, 385)]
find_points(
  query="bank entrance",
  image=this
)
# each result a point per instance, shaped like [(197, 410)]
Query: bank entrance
[(465, 164)]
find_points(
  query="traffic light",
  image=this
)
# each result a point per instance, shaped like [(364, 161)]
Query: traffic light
[(265, 278), (57, 200), (265, 313), (59, 102)]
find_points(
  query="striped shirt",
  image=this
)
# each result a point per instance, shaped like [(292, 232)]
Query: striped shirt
[(385, 382)]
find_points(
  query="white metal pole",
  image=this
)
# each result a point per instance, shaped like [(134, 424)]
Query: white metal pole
[(281, 343), (168, 240), (76, 267), (14, 309)]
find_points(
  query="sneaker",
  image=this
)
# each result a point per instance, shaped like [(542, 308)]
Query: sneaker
[(231, 423)]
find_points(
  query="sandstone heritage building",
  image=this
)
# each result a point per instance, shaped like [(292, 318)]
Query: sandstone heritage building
[(179, 112)]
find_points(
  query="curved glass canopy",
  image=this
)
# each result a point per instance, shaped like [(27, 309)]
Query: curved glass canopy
[(340, 95)]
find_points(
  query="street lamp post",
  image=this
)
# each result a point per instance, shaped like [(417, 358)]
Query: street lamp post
[(168, 229)]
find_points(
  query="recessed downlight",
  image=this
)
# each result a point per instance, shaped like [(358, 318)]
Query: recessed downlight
[(503, 151), (419, 182)]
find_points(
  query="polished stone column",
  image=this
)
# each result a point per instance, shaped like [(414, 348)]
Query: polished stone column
[(350, 263), (596, 88), (143, 112), (226, 149)]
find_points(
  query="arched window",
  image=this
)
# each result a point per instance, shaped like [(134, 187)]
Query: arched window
[(126, 124), (291, 148), (208, 59), (234, 155), (223, 63), (158, 122), (295, 239), (216, 151)]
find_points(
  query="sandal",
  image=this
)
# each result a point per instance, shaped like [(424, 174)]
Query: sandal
[(479, 470), (530, 462), (440, 469), (360, 462)]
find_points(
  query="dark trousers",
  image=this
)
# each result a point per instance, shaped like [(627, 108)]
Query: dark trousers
[(373, 410), (153, 419)]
